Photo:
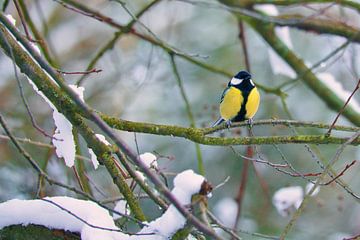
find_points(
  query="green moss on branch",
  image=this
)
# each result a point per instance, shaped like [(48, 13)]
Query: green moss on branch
[(64, 105), (320, 26), (20, 232)]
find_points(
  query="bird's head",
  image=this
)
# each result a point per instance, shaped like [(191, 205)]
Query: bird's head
[(242, 80)]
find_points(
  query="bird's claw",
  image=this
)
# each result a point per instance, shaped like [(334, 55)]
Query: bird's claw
[(250, 122), (228, 124)]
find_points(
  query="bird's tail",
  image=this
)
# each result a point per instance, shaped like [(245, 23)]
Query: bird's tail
[(218, 122)]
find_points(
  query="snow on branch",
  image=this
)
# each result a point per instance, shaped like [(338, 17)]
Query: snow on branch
[(94, 222)]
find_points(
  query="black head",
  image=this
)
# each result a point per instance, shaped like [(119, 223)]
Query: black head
[(243, 75), (242, 80)]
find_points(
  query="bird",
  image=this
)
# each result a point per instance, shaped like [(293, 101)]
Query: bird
[(239, 101)]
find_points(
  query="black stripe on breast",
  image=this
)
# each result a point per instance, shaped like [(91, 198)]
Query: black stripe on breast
[(241, 115)]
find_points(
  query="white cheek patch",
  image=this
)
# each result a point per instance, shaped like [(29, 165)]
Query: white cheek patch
[(252, 83), (235, 81)]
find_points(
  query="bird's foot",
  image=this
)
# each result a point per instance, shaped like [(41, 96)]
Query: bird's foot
[(228, 124), (250, 123)]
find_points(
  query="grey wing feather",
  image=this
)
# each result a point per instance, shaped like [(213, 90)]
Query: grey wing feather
[(223, 94)]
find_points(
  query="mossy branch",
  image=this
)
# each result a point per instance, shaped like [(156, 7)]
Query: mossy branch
[(65, 106), (199, 134), (188, 111), (267, 32), (31, 231), (346, 3), (320, 26)]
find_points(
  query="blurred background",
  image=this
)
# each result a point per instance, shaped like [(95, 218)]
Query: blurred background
[(137, 83)]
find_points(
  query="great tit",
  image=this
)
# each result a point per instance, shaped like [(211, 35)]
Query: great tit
[(239, 101)]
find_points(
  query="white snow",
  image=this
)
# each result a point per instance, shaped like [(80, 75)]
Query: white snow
[(268, 9), (78, 90), (63, 138), (121, 207), (149, 160), (186, 184), (288, 198), (140, 175), (11, 19), (93, 156), (102, 139), (278, 65), (86, 217), (35, 47), (329, 80), (225, 210), (49, 215), (309, 186)]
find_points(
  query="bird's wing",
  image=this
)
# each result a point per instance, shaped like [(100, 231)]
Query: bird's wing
[(231, 103), (223, 94)]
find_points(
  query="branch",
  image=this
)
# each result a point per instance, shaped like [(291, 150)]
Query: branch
[(43, 174), (109, 45), (31, 231), (66, 106), (305, 201), (62, 103), (188, 111), (342, 109), (345, 3), (321, 26), (341, 173), (266, 30), (39, 38), (199, 134)]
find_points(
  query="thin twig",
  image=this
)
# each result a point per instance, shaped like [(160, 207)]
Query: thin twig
[(23, 22), (284, 122), (234, 234), (51, 181), (298, 212), (90, 224), (258, 160), (188, 111), (23, 98), (110, 133), (249, 149), (242, 187), (341, 173), (94, 70), (342, 109), (222, 226)]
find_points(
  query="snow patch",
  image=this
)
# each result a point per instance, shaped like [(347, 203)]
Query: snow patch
[(121, 207), (90, 217), (329, 80), (309, 186), (11, 19), (63, 139), (149, 160), (186, 184), (285, 199), (93, 156), (226, 210), (278, 65)]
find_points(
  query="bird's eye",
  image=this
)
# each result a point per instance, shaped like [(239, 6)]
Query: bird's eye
[(252, 83), (236, 81)]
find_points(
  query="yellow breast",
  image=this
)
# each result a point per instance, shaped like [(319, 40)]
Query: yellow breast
[(231, 103), (252, 103)]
